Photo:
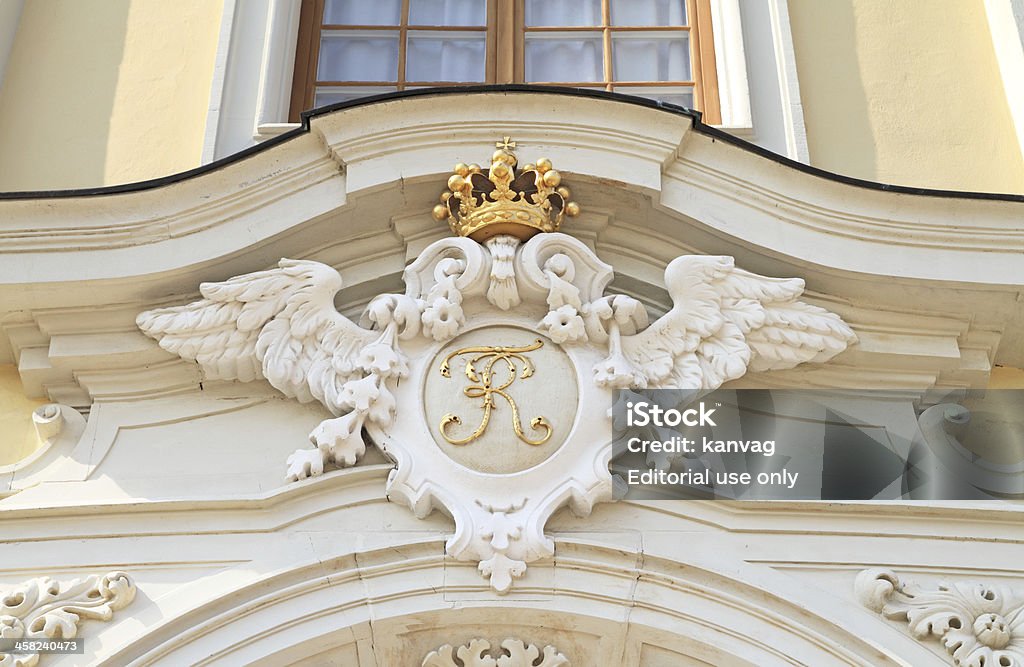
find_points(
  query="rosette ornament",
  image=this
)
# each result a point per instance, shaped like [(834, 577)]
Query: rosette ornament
[(979, 625)]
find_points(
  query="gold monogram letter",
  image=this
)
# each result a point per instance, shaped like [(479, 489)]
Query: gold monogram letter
[(484, 386)]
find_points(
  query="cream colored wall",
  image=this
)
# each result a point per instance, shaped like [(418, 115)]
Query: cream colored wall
[(17, 434), (1006, 377), (99, 92), (905, 92)]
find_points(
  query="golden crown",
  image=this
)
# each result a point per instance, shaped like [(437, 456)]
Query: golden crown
[(481, 204)]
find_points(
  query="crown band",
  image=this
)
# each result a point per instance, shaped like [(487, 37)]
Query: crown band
[(484, 203)]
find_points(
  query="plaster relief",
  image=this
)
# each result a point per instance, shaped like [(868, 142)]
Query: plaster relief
[(478, 653), (45, 609), (519, 313), (979, 625)]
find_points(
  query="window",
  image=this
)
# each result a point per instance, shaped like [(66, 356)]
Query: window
[(662, 49)]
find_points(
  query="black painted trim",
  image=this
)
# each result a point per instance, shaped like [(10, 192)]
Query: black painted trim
[(694, 116)]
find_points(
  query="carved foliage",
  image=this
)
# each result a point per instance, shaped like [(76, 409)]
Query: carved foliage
[(282, 325), (46, 609), (723, 321), (477, 653), (979, 625)]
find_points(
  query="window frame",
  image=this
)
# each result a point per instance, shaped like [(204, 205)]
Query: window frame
[(506, 34)]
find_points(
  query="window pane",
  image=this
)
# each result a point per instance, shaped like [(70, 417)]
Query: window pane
[(358, 56), (563, 12), (564, 57), (678, 95), (447, 12), (363, 12), (445, 56), (325, 96), (648, 12), (650, 56)]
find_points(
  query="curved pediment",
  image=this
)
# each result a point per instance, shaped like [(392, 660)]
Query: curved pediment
[(353, 189), (695, 257)]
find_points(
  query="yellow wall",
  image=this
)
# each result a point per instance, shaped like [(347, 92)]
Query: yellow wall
[(99, 92), (905, 92), (17, 434), (1006, 377)]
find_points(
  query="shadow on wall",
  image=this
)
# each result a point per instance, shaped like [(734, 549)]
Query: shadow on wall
[(836, 107), (57, 97), (17, 433)]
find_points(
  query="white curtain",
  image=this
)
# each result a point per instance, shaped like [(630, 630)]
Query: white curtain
[(564, 57), (648, 12), (421, 12), (642, 56), (447, 12), (363, 12), (578, 57), (353, 55), (445, 56), (563, 12), (358, 56)]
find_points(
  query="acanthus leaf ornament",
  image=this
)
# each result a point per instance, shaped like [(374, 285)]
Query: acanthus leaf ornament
[(979, 625), (281, 325), (45, 609), (477, 653)]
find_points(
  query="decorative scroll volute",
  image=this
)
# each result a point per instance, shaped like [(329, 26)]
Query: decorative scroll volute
[(45, 609)]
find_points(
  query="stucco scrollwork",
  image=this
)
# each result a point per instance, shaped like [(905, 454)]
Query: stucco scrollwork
[(282, 325), (478, 653), (46, 609), (979, 625)]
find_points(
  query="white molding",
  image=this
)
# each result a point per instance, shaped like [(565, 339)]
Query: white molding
[(10, 17), (277, 65), (1006, 24), (251, 90), (356, 191), (730, 62), (218, 84), (265, 131), (789, 86), (775, 105)]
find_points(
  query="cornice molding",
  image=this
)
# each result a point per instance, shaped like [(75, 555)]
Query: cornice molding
[(32, 517), (656, 184), (970, 234), (241, 619), (397, 139)]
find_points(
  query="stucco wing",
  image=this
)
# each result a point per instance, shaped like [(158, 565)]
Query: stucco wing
[(725, 321), (280, 324)]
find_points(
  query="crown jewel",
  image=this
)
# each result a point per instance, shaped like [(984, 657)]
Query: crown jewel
[(484, 203)]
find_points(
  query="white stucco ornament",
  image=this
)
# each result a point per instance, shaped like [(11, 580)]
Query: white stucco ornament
[(44, 609), (978, 624), (478, 653), (489, 381)]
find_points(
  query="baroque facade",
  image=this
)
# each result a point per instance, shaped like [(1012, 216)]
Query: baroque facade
[(292, 407)]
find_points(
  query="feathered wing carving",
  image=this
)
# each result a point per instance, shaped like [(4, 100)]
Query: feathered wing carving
[(282, 325), (723, 322)]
